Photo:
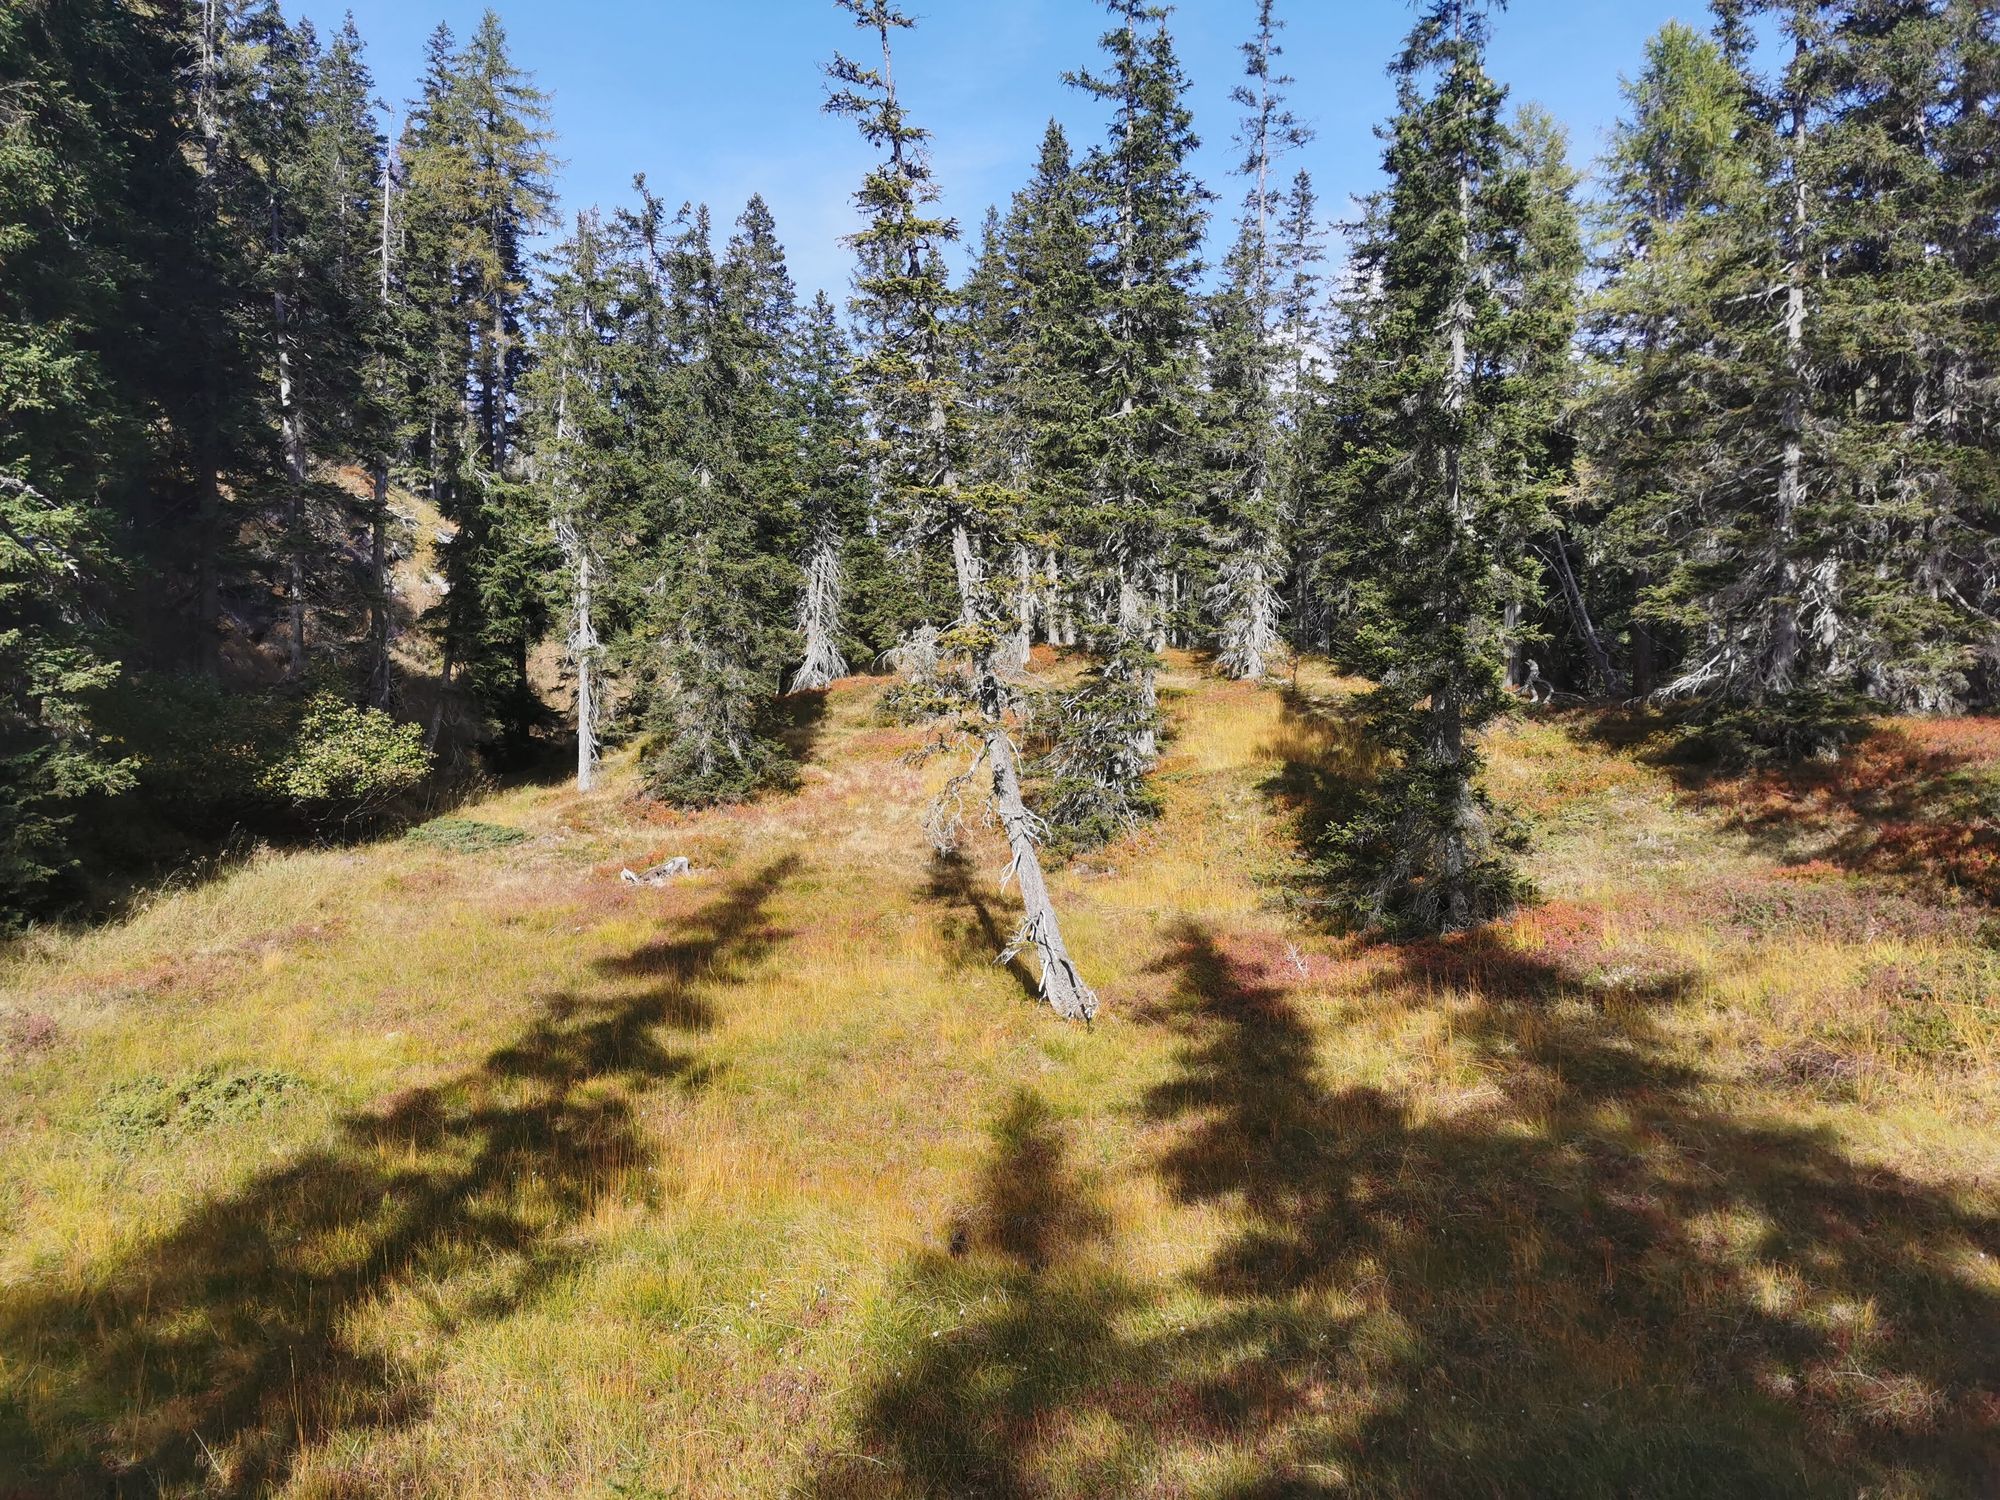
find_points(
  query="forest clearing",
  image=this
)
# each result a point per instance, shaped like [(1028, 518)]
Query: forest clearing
[(1216, 752), (416, 1170)]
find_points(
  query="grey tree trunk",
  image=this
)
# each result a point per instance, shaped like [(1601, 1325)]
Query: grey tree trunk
[(1134, 625), (208, 566), (583, 642), (1062, 986), (1057, 628), (291, 423), (381, 620), (1781, 661), (380, 601), (443, 699), (208, 569), (1022, 640), (1609, 678)]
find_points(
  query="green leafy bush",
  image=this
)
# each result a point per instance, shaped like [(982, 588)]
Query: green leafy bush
[(344, 758), (212, 759)]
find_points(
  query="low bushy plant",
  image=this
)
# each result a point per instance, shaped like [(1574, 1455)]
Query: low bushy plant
[(345, 759)]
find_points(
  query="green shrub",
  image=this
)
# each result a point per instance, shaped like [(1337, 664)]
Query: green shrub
[(465, 835), (152, 1105), (344, 759), (212, 759)]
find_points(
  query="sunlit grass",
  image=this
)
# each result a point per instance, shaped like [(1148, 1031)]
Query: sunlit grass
[(771, 1182)]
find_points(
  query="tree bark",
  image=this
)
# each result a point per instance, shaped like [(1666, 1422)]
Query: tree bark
[(443, 698), (1782, 661), (1608, 677), (208, 497), (586, 703), (291, 422), (1062, 985), (1133, 625), (380, 677), (1023, 639), (1040, 928), (1054, 632)]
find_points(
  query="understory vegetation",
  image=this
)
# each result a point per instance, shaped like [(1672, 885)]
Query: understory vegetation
[(464, 1167)]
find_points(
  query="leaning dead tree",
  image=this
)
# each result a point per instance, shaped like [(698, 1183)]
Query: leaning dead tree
[(909, 376)]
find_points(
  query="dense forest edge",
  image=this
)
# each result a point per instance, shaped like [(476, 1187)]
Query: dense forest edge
[(338, 475)]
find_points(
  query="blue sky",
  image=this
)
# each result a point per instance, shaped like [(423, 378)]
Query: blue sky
[(715, 99)]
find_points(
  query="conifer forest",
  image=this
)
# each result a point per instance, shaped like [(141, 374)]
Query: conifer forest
[(1199, 838)]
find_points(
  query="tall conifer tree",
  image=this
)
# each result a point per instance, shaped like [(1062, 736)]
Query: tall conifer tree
[(1149, 218), (831, 492), (1440, 464), (1243, 359)]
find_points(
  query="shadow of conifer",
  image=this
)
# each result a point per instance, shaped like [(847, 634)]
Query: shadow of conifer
[(209, 1359), (1600, 1281)]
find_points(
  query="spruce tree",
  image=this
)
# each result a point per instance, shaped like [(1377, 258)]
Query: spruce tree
[(580, 442), (268, 122), (831, 493), (1051, 371), (477, 160), (1674, 156), (1546, 303), (1303, 335), (300, 123), (89, 108), (1807, 488), (714, 618), (910, 377), (991, 315), (1149, 217), (1450, 420), (1903, 314), (347, 172), (1242, 358)]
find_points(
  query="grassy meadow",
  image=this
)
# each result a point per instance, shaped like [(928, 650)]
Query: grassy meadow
[(455, 1166)]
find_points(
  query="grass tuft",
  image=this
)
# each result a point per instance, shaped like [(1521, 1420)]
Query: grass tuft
[(149, 1105), (466, 835)]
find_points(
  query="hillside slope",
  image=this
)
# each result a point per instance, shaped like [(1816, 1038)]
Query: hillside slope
[(467, 1169)]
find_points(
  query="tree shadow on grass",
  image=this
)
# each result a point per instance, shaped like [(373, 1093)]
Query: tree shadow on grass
[(1326, 763), (983, 1343), (210, 1358), (1916, 798), (1595, 1281), (972, 920), (799, 719), (1587, 1277)]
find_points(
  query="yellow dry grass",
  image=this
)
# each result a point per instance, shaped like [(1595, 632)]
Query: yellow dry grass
[(395, 1170)]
